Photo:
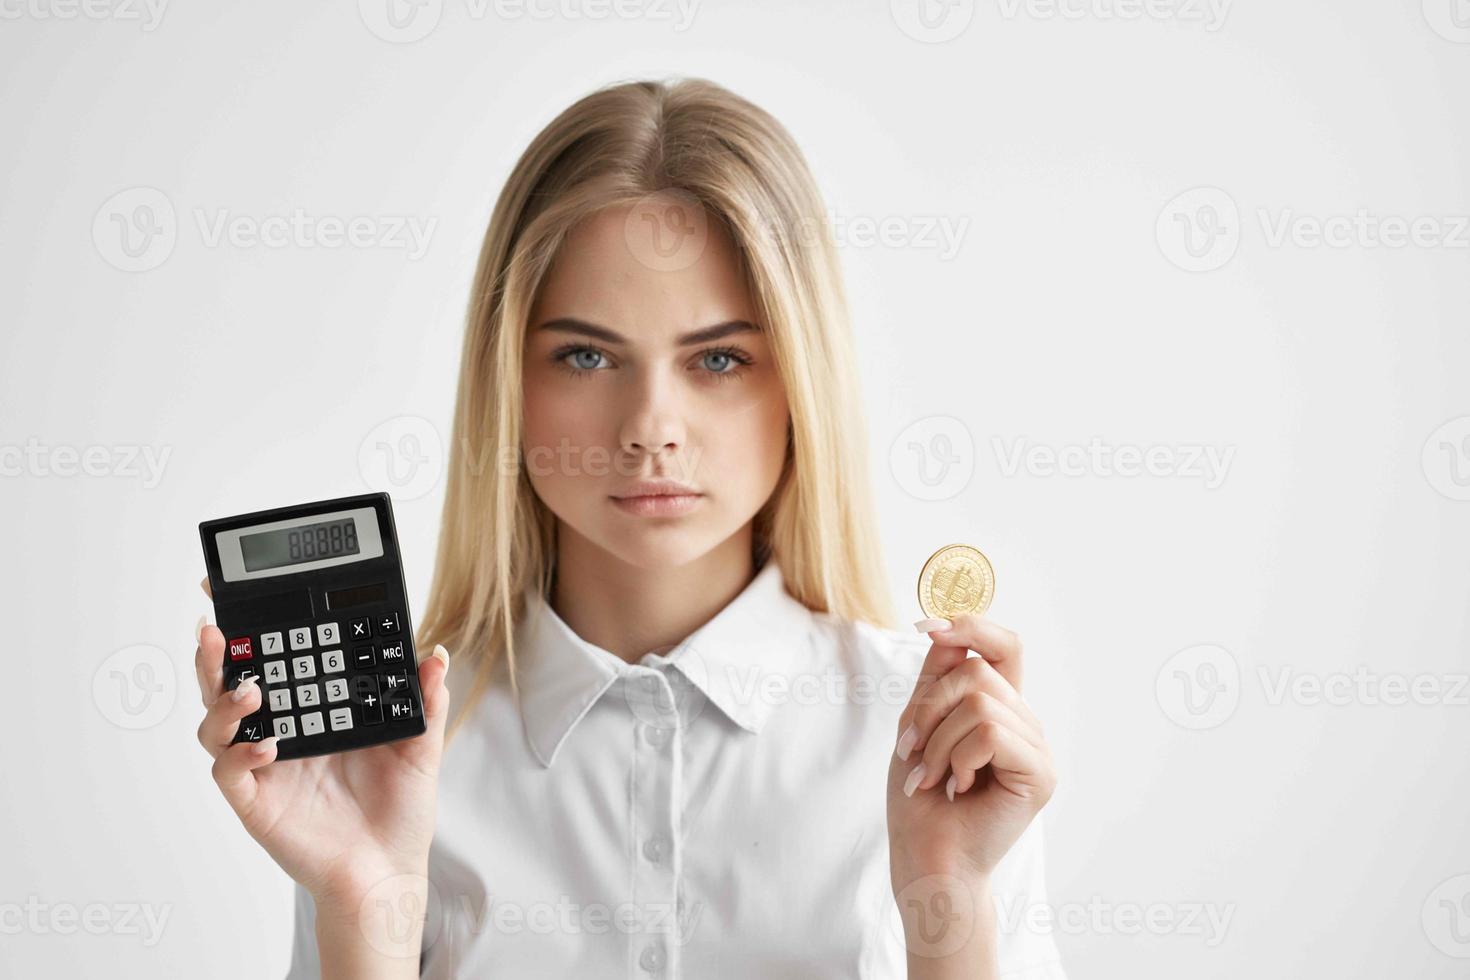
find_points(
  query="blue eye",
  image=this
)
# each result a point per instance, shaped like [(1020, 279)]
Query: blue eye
[(578, 358)]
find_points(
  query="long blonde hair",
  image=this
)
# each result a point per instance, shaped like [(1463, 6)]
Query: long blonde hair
[(615, 147)]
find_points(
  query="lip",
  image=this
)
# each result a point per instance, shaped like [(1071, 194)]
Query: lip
[(658, 498)]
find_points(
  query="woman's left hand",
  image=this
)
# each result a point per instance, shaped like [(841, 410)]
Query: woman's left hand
[(971, 767)]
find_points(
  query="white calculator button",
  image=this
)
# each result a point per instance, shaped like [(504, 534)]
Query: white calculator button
[(281, 699), (333, 662), (271, 644), (326, 634), (301, 638), (303, 667), (312, 724), (275, 672), (341, 719), (337, 689), (285, 727), (308, 695)]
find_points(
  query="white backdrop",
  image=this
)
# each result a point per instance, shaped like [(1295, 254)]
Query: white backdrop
[(1162, 304)]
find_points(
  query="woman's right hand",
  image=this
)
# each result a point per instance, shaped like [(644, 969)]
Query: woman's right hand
[(339, 824)]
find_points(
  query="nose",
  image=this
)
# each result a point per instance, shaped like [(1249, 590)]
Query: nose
[(654, 420)]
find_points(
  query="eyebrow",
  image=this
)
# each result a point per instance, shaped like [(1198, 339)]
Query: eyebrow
[(701, 336)]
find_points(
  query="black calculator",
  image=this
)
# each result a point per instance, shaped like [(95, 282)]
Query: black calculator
[(312, 604)]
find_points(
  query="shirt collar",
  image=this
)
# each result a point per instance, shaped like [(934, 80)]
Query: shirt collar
[(560, 675)]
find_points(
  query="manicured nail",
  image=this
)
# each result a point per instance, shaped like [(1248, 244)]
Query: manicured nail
[(243, 691), (914, 779), (264, 745), (931, 625), (199, 627), (949, 787), (441, 653), (906, 741)]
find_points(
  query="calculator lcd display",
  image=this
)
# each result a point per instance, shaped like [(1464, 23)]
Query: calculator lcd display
[(297, 545)]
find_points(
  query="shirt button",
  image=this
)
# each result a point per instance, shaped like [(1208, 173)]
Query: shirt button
[(655, 735), (655, 847), (652, 958)]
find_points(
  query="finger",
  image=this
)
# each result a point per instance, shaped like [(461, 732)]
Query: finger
[(204, 584), (433, 685), (209, 663), (970, 675), (234, 772), (940, 660), (1019, 766), (222, 720), (975, 709), (1000, 646)]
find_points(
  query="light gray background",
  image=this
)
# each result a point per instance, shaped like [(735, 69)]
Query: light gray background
[(1162, 611)]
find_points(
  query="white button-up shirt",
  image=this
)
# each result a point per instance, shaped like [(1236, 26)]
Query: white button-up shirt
[(716, 811)]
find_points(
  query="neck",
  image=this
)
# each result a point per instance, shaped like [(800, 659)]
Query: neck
[(630, 611)]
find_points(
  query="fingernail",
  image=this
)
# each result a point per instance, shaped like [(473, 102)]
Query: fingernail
[(264, 745), (441, 653), (199, 627), (930, 625), (906, 741), (243, 691), (949, 788), (914, 779)]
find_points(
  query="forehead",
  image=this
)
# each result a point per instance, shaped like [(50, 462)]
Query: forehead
[(608, 272)]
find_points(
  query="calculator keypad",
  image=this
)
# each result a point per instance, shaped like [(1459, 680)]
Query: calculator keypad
[(314, 686)]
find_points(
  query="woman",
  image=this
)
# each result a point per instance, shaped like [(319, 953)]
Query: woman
[(685, 746)]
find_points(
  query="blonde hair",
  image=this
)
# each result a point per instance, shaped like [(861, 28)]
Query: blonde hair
[(612, 148)]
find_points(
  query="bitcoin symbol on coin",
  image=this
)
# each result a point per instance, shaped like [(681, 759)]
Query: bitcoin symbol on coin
[(956, 579)]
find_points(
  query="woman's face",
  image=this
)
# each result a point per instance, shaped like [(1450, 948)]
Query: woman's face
[(644, 364)]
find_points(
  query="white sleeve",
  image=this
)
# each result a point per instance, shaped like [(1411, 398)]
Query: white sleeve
[(1024, 921), (304, 962)]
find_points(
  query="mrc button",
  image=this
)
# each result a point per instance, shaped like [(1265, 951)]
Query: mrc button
[(390, 654)]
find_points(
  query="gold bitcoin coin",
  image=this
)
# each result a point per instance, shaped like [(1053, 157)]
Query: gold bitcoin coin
[(956, 579)]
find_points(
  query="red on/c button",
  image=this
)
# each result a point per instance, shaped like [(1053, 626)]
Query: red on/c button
[(240, 649)]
